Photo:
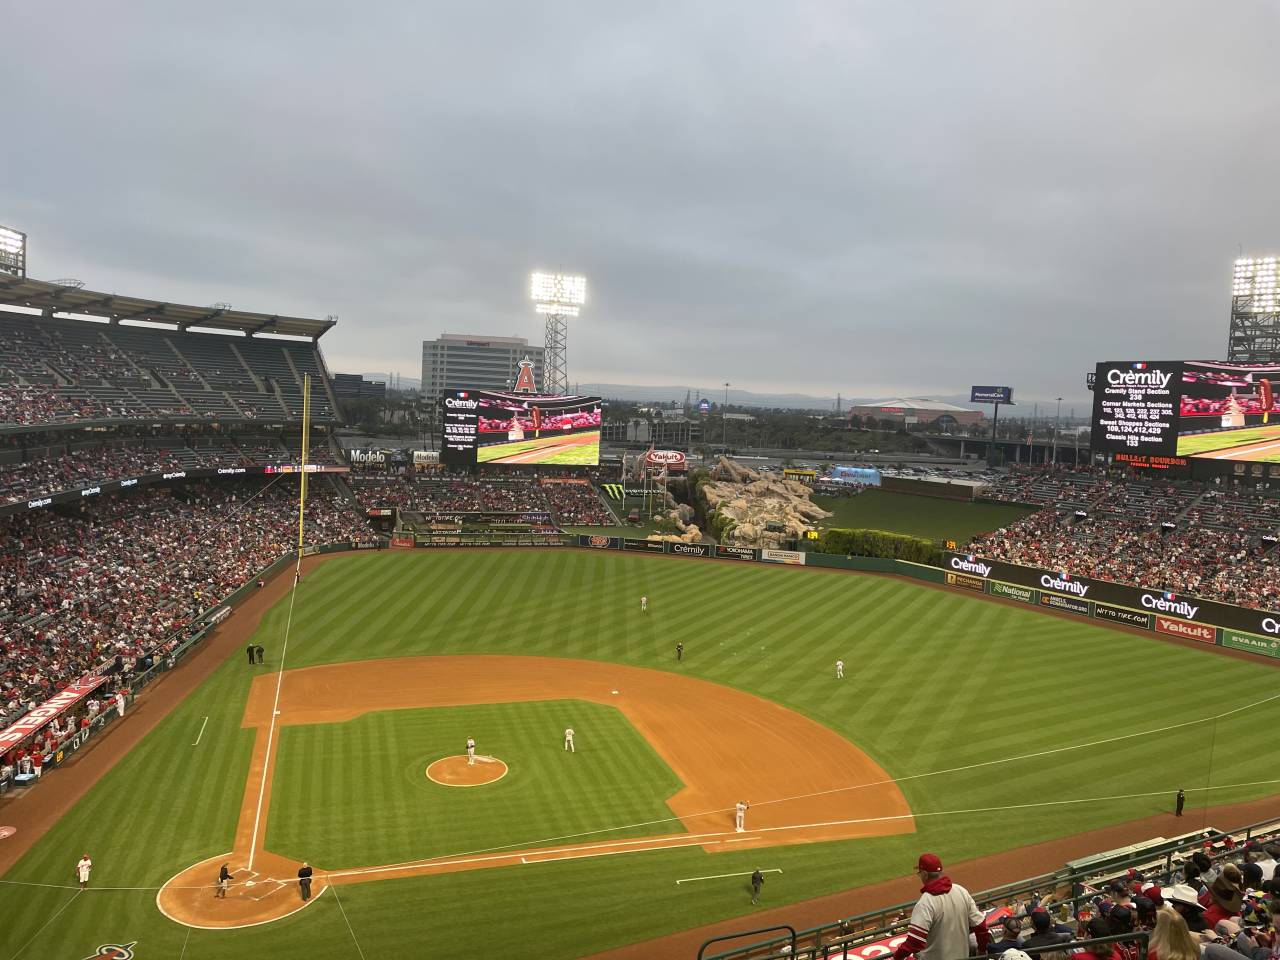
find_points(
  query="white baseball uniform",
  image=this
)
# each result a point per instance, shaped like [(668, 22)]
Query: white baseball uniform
[(644, 603), (740, 816), (471, 751), (839, 669), (568, 739), (82, 870)]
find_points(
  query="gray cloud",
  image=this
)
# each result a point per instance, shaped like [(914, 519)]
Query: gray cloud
[(829, 196)]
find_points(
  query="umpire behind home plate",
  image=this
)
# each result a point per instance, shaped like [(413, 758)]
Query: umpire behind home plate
[(304, 881)]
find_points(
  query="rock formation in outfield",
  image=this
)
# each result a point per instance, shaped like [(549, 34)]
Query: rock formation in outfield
[(761, 511)]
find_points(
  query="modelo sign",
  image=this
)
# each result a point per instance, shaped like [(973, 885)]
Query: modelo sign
[(991, 394), (669, 460)]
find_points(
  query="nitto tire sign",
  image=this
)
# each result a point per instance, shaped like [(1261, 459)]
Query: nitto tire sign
[(1130, 618)]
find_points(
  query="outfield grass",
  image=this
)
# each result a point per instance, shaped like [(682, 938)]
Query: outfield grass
[(330, 776), (930, 517), (943, 689), (1198, 443)]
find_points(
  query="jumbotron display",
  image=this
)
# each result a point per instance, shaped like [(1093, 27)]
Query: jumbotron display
[(1209, 409), (516, 429)]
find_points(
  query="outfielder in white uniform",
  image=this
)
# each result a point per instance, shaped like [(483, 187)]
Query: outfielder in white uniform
[(839, 669), (568, 739), (471, 751), (644, 604), (82, 870), (740, 816)]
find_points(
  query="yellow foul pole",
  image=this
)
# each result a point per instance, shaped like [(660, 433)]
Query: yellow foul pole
[(306, 445)]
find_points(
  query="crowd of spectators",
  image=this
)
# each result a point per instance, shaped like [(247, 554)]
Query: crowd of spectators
[(33, 403), (571, 502), (121, 579)]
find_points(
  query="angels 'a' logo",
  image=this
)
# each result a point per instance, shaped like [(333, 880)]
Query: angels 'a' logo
[(113, 951), (524, 379)]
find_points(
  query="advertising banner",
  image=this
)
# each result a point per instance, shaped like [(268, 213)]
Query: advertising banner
[(735, 553), (688, 549), (1268, 647), (1187, 630), (987, 394), (649, 546), (1012, 592), (1140, 599), (55, 706), (782, 556), (1130, 618), (1056, 601), (514, 429), (599, 542), (976, 584)]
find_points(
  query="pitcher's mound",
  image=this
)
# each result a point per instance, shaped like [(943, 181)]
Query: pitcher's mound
[(456, 772)]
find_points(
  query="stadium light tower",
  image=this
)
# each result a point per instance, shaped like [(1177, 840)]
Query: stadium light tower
[(559, 296), (1255, 311)]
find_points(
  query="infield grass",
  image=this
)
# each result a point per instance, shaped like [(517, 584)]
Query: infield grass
[(952, 694)]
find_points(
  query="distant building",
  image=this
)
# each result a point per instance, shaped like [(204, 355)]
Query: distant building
[(464, 361), (906, 412), (352, 386)]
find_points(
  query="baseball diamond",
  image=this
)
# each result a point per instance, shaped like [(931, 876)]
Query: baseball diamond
[(394, 658)]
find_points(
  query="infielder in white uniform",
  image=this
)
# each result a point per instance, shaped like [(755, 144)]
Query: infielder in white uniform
[(568, 739), (740, 816), (644, 604), (839, 669), (471, 752), (82, 870)]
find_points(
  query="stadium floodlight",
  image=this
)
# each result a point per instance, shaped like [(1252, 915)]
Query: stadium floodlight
[(13, 252), (558, 296), (1255, 311), (557, 293)]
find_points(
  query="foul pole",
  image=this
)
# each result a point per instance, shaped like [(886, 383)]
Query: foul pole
[(302, 484)]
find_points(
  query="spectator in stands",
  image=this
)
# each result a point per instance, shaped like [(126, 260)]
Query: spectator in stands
[(942, 918), (1171, 939), (1010, 928), (1043, 933), (1223, 899), (1096, 928)]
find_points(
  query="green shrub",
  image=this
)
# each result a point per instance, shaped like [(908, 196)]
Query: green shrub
[(877, 543)]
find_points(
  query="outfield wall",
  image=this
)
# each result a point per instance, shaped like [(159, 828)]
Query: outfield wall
[(1158, 611)]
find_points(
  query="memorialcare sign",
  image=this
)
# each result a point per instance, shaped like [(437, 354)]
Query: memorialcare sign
[(1139, 599)]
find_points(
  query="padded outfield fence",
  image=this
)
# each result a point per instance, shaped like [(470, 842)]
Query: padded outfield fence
[(1068, 892)]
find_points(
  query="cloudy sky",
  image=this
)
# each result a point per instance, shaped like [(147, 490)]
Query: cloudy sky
[(871, 198)]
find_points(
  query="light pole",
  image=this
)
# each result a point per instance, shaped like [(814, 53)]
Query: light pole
[(724, 420), (1056, 424)]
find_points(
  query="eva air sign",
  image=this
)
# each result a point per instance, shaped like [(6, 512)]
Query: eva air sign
[(1267, 646)]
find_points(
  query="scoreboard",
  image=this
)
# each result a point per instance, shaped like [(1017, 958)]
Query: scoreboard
[(1135, 407)]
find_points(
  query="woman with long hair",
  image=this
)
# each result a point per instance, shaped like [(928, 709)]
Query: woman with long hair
[(1171, 940)]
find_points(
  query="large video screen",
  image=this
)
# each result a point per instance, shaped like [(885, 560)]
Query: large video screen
[(515, 429), (1208, 409)]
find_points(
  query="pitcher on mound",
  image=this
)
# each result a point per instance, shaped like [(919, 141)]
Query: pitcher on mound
[(471, 751)]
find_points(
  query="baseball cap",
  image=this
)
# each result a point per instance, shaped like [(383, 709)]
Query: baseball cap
[(1014, 954), (1182, 893), (929, 863)]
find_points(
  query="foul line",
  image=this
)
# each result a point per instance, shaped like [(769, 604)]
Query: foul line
[(348, 922), (722, 876), (47, 922), (196, 742), (275, 709)]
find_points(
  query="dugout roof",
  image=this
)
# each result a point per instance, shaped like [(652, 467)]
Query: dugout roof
[(62, 298)]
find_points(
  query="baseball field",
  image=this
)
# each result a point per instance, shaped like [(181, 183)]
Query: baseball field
[(963, 725)]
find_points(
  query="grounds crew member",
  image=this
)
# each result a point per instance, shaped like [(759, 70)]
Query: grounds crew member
[(942, 918)]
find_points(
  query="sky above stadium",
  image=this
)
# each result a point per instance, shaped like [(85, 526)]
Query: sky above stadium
[(866, 198)]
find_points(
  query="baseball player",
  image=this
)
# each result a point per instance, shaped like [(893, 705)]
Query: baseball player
[(644, 604), (224, 878), (471, 752), (304, 881), (839, 669), (680, 650), (568, 739), (740, 816), (82, 870), (757, 881)]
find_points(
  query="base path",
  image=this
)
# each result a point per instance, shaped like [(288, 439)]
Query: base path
[(723, 744)]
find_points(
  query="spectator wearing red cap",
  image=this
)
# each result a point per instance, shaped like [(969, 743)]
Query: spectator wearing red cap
[(942, 918)]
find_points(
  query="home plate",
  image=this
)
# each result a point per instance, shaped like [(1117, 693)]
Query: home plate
[(7, 832), (251, 883), (613, 691)]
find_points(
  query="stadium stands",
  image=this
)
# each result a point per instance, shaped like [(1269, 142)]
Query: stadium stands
[(570, 503), (119, 579), (61, 371)]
